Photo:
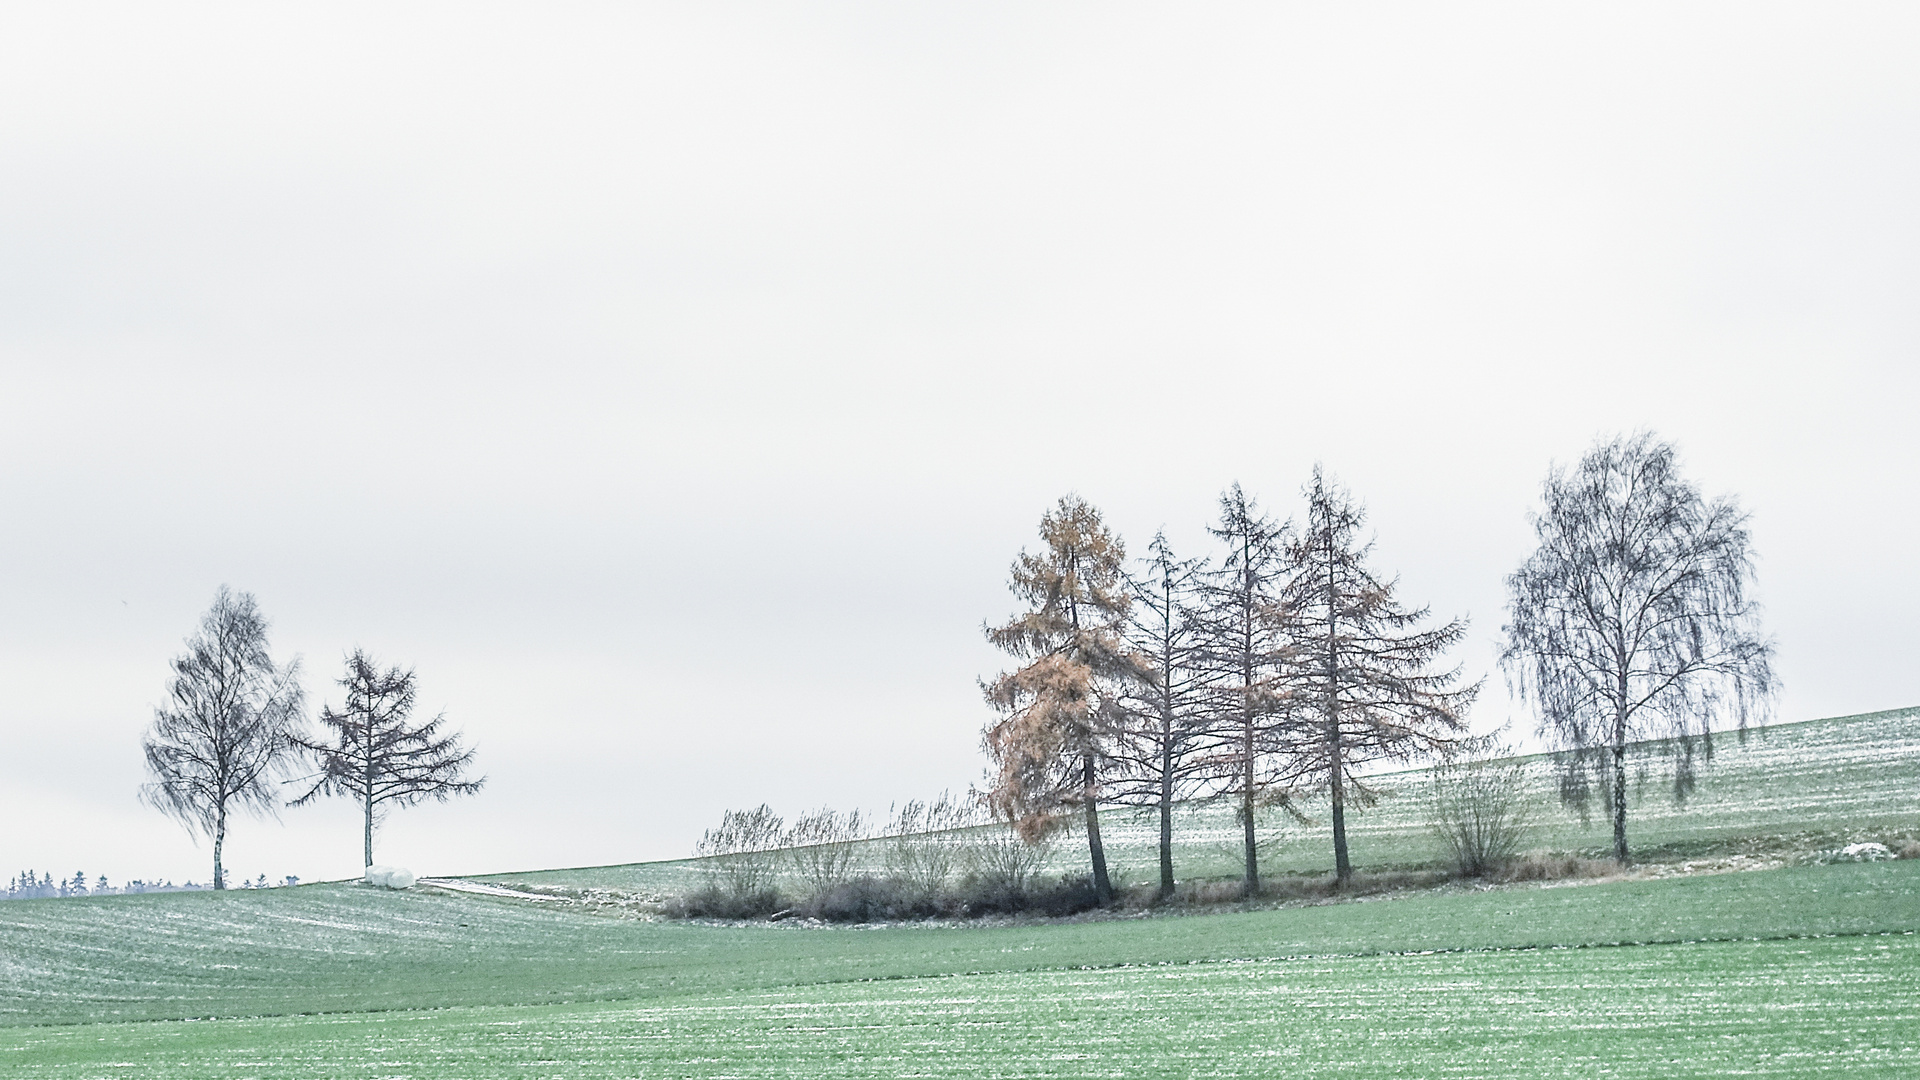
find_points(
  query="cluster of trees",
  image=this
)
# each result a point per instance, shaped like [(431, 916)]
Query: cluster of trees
[(1274, 669), (25, 886), (1281, 665), (234, 730)]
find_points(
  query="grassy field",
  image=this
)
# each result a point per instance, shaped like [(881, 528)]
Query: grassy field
[(1787, 787), (1799, 971), (339, 948), (1798, 966), (1838, 1007)]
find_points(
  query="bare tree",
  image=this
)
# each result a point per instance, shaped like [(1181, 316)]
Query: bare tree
[(821, 847), (1364, 678), (379, 759), (1161, 747), (743, 849), (1480, 808), (223, 740), (1632, 620), (1050, 744), (922, 851), (1246, 646), (1001, 860)]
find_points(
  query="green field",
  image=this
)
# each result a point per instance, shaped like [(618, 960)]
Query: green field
[(1840, 1007), (1784, 788), (1784, 970), (1797, 971)]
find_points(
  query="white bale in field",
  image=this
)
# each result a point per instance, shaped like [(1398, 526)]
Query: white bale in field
[(390, 877), (1867, 852)]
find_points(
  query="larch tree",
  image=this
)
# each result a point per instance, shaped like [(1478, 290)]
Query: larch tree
[(1364, 673), (1161, 747), (372, 753), (224, 738), (1057, 711), (1246, 647), (1632, 618)]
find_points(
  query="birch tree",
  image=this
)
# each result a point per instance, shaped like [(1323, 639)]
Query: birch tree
[(1365, 677), (1632, 618), (223, 740), (1057, 711), (375, 756)]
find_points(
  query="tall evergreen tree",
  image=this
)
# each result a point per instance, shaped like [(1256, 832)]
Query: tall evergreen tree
[(1364, 669), (379, 759), (223, 740), (1161, 746), (1051, 741), (1246, 647)]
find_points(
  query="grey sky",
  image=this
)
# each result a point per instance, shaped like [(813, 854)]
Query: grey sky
[(673, 385)]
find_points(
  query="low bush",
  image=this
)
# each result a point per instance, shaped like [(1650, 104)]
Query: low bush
[(714, 902), (994, 894), (872, 899), (1910, 850), (1210, 892), (1479, 812), (1550, 866)]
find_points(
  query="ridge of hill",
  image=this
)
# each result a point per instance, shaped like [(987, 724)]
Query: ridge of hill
[(1776, 791)]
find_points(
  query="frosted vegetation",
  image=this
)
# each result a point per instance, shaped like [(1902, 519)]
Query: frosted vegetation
[(1806, 968), (1783, 792), (1813, 964)]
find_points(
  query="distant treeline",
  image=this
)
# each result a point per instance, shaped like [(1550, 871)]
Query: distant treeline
[(27, 885)]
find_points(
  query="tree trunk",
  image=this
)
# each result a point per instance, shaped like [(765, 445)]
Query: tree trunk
[(1619, 807), (1342, 868), (1102, 887), (1336, 766), (369, 828), (219, 841), (1166, 810), (1251, 889)]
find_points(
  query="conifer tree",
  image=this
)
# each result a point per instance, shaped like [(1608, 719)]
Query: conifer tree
[(377, 757), (1051, 742), (1160, 748), (1246, 646), (1363, 667)]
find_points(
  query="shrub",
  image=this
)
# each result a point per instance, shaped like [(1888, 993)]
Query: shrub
[(820, 847), (742, 850), (921, 854), (998, 860), (1910, 850), (1547, 866), (714, 902), (1068, 896), (872, 899), (1479, 812)]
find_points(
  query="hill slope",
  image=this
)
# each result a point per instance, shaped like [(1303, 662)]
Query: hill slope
[(1812, 784), (349, 948)]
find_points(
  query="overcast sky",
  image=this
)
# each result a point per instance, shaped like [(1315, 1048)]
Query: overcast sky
[(672, 386)]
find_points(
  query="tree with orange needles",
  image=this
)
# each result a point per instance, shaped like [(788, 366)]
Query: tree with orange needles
[(1049, 745)]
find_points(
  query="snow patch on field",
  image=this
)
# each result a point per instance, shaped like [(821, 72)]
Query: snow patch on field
[(481, 888)]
